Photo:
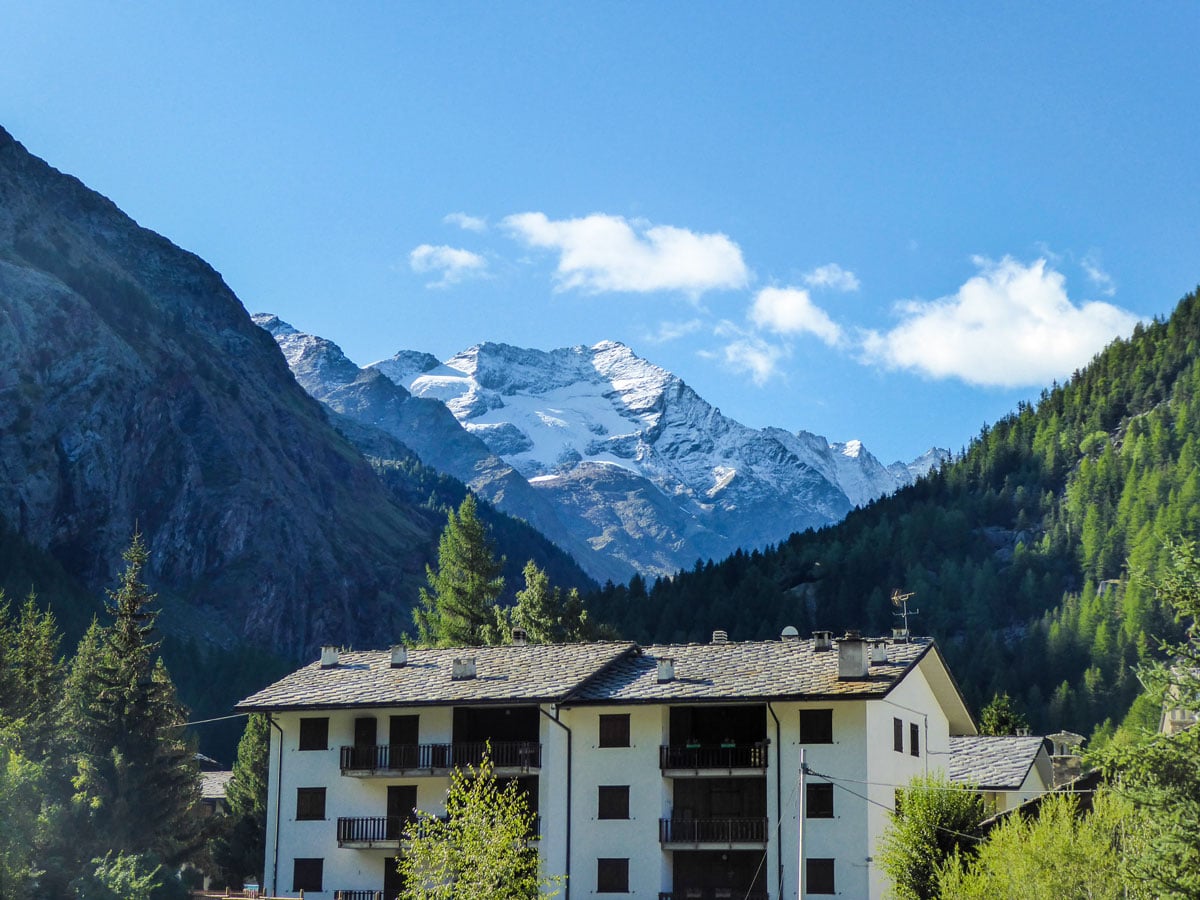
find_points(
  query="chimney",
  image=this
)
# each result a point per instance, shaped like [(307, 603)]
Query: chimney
[(463, 668), (720, 637), (399, 656), (789, 634), (879, 653), (329, 657), (899, 635), (852, 656), (822, 640), (666, 669), (520, 637)]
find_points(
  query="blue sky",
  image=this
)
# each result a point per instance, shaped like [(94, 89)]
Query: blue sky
[(879, 221)]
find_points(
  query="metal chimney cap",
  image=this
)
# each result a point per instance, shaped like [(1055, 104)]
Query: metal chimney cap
[(789, 633)]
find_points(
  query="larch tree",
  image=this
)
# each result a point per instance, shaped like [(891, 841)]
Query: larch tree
[(458, 608), (546, 614)]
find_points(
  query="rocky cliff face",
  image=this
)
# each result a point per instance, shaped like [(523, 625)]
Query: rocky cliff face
[(137, 392)]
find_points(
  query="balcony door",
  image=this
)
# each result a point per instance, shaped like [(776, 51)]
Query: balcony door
[(364, 742), (393, 884), (401, 801), (403, 738)]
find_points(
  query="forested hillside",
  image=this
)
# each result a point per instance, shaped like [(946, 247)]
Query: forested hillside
[(1020, 552)]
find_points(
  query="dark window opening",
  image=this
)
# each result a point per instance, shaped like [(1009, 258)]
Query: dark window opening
[(612, 876), (914, 739), (897, 735), (310, 803), (614, 730), (613, 801), (403, 729), (307, 874), (401, 808), (717, 726), (816, 726), (819, 877), (819, 801), (314, 734), (364, 731)]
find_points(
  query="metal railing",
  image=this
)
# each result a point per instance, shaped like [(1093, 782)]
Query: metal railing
[(404, 757), (713, 894), (374, 829), (713, 831), (713, 756)]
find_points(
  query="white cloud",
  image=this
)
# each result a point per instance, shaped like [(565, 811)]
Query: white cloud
[(1096, 275), (747, 353), (791, 311), (833, 277), (466, 222), (672, 331), (1011, 325), (609, 253), (453, 264)]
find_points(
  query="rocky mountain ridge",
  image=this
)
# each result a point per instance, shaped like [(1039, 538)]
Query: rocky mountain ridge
[(635, 464)]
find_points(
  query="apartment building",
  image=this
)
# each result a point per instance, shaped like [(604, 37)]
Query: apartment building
[(668, 771)]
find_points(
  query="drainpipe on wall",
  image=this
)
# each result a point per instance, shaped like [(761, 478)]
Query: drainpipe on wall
[(278, 800), (778, 797), (554, 719)]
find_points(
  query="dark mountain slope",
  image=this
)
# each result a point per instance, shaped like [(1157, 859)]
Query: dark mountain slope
[(1019, 552), (136, 392)]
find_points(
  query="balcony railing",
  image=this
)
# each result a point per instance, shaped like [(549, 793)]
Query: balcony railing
[(373, 830), (713, 756), (712, 894), (409, 757), (712, 831), (358, 895)]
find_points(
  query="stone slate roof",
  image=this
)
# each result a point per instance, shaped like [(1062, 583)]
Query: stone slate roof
[(740, 671), (213, 784), (993, 763), (532, 673)]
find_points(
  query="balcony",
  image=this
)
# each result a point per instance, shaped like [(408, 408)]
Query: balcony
[(713, 759), (358, 895), (712, 894), (370, 832), (713, 834), (509, 758)]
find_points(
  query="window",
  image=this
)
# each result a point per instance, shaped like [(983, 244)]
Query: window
[(897, 735), (612, 876), (306, 874), (819, 801), (818, 876), (314, 734), (310, 803), (613, 802), (914, 740), (816, 726), (614, 730)]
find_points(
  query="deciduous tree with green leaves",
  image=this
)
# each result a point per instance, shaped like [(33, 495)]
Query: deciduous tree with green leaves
[(458, 609), (1057, 853), (482, 849), (934, 820)]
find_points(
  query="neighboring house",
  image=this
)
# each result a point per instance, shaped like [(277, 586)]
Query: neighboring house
[(1007, 771), (667, 770), (212, 792)]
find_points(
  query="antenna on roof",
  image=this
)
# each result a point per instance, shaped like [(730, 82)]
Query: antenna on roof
[(900, 600)]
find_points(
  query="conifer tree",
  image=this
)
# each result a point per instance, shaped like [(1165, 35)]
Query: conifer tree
[(240, 848), (546, 615), (458, 609), (1001, 717), (136, 782)]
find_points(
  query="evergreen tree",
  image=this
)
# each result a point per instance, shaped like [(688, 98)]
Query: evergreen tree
[(484, 848), (240, 848), (546, 615), (458, 609), (1000, 717), (136, 783)]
